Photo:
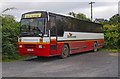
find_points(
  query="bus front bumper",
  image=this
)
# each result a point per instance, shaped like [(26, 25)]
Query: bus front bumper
[(34, 49)]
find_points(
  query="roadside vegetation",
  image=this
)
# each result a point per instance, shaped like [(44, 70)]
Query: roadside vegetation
[(112, 33), (10, 31)]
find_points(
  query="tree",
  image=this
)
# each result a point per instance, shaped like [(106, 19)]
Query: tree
[(8, 9), (72, 13), (115, 19), (80, 16), (111, 36), (112, 32), (10, 31)]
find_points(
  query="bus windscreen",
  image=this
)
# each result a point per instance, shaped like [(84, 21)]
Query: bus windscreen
[(35, 26)]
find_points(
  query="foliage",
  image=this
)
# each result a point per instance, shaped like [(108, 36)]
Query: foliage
[(112, 32), (10, 29), (110, 50), (72, 14), (80, 16), (111, 35), (115, 19)]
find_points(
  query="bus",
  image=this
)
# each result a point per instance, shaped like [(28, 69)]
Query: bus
[(46, 34)]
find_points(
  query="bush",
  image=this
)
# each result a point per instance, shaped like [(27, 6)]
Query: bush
[(112, 36), (10, 30)]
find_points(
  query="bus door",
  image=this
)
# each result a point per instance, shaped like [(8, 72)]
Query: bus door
[(53, 35)]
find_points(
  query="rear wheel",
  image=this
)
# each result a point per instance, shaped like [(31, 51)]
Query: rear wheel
[(95, 47), (65, 51), (38, 57)]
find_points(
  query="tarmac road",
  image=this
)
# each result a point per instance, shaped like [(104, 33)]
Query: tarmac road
[(99, 64)]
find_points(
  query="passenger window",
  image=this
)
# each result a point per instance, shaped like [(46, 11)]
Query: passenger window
[(52, 26)]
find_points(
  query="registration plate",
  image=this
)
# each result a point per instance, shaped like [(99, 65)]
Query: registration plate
[(30, 50)]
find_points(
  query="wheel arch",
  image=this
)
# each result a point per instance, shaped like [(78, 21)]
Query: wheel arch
[(95, 42), (68, 46)]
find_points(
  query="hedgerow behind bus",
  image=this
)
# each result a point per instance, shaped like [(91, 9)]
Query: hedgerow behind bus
[(48, 34)]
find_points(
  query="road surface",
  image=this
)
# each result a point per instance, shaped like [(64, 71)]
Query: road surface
[(99, 64)]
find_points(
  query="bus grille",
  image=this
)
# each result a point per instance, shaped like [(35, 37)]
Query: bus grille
[(30, 46)]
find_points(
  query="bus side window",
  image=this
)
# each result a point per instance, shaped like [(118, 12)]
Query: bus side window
[(52, 26)]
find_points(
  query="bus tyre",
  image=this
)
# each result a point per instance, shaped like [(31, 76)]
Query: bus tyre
[(38, 57), (65, 51), (95, 47)]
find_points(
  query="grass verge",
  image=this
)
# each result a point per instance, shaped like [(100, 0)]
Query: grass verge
[(110, 50), (19, 58)]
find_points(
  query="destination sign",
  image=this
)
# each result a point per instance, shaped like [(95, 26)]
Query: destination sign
[(33, 15)]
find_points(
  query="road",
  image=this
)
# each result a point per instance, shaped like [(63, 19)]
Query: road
[(99, 64)]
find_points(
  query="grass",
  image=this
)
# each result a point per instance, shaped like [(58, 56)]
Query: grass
[(109, 50), (18, 58), (10, 60)]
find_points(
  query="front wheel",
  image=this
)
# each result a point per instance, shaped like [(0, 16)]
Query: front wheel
[(65, 51), (95, 47)]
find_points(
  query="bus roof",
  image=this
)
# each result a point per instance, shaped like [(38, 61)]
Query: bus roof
[(68, 16)]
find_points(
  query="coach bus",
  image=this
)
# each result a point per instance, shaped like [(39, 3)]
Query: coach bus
[(48, 34)]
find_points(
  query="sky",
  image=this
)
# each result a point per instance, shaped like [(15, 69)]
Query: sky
[(101, 9)]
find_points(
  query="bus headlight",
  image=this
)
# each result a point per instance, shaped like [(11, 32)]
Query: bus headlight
[(20, 46), (40, 46)]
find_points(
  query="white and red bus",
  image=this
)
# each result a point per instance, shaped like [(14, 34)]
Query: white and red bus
[(48, 34)]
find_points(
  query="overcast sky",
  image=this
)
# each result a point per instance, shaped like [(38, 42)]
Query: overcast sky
[(101, 9)]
